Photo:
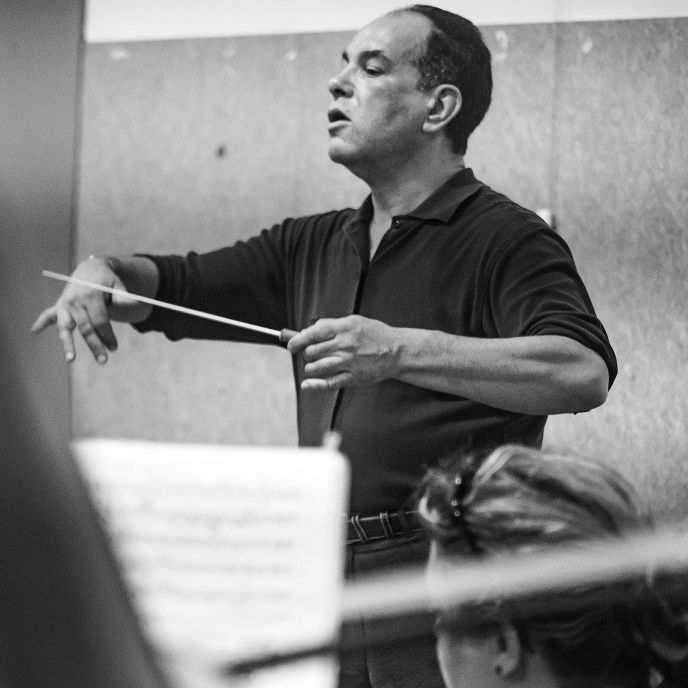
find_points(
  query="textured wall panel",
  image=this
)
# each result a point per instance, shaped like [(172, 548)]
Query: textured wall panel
[(622, 202), (186, 145), (511, 149)]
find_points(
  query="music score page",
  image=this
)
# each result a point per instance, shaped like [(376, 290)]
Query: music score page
[(228, 551)]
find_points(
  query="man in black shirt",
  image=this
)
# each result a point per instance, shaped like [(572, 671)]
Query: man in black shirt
[(440, 314)]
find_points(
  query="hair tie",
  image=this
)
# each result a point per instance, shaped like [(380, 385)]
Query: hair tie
[(458, 512)]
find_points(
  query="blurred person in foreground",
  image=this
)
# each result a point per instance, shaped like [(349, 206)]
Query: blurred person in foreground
[(521, 500), (438, 315)]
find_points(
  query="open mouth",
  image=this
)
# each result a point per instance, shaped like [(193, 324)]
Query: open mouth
[(336, 115)]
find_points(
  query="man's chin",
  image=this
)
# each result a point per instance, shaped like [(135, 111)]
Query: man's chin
[(340, 153), (349, 157)]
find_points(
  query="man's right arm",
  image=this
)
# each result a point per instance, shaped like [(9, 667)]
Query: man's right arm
[(90, 311)]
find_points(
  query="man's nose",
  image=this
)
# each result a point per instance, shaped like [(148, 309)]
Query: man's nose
[(340, 86)]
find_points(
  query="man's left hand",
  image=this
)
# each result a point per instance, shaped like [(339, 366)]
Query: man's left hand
[(339, 352)]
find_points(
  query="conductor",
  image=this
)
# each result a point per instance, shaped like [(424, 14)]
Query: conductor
[(438, 316)]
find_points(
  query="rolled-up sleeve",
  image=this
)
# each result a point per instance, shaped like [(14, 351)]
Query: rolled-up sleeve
[(535, 289)]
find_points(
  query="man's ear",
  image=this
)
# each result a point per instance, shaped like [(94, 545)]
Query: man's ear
[(443, 105), (510, 654)]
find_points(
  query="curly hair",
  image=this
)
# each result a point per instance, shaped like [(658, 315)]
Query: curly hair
[(523, 500), (456, 54)]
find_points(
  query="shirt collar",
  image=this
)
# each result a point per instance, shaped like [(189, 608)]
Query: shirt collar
[(440, 205), (363, 215), (443, 203)]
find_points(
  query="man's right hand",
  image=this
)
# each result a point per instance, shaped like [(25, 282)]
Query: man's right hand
[(87, 310)]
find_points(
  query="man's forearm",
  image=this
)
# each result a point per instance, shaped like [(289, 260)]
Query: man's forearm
[(538, 375)]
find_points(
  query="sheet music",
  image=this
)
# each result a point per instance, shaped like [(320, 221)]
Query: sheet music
[(228, 551)]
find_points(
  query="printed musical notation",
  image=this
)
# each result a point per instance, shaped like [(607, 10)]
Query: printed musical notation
[(228, 551)]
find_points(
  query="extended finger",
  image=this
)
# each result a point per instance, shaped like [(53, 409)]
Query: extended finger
[(100, 319), (45, 319), (321, 331), (89, 333), (65, 328), (324, 367), (313, 352), (335, 382)]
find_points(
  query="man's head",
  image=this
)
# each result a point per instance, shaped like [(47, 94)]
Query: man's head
[(415, 77)]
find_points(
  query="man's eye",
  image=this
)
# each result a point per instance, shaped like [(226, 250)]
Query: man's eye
[(373, 71)]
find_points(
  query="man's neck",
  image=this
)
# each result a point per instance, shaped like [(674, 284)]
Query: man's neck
[(398, 194), (397, 191)]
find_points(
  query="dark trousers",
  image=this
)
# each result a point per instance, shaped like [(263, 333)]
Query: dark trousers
[(403, 664)]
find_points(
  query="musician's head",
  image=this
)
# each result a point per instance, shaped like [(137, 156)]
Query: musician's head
[(413, 85), (520, 500)]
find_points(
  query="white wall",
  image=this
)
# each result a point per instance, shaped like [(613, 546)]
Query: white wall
[(132, 20)]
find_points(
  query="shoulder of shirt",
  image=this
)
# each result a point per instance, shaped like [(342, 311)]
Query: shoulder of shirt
[(318, 223), (506, 214), (320, 219), (508, 224), (311, 231)]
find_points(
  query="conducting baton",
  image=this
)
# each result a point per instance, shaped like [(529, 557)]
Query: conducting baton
[(282, 335)]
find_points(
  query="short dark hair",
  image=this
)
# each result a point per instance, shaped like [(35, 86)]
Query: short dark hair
[(455, 53)]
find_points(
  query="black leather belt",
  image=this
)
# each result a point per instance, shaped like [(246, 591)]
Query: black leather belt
[(386, 526)]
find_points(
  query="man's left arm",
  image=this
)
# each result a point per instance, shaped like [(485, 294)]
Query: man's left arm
[(538, 375)]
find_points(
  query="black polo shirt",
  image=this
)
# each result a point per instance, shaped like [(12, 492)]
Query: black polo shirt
[(467, 261)]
